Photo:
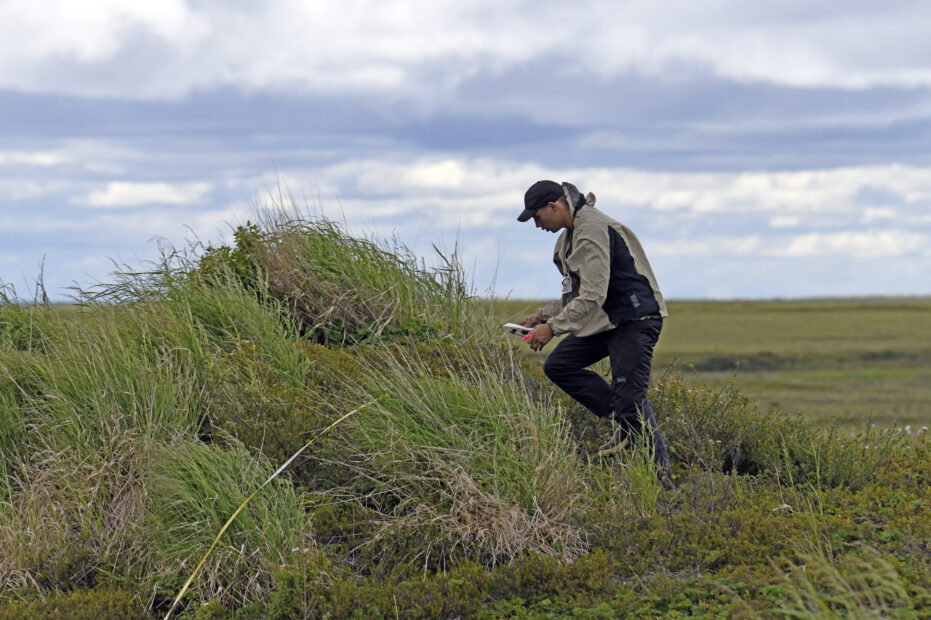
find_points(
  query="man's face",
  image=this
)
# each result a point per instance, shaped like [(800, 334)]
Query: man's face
[(549, 217)]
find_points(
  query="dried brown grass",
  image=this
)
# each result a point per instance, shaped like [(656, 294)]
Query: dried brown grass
[(479, 520), (70, 518)]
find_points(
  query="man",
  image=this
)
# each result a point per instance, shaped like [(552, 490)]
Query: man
[(610, 306)]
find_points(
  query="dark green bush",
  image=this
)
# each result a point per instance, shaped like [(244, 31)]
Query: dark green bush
[(723, 431), (239, 260), (68, 568), (100, 604)]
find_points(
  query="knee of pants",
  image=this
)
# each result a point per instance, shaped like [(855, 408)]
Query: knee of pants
[(552, 369)]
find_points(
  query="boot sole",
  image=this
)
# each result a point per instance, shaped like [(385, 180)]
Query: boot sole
[(613, 449)]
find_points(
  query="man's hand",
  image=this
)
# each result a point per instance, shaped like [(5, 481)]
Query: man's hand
[(533, 320), (540, 335)]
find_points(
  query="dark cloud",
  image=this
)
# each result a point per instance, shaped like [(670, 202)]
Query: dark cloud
[(222, 114), (695, 121), (701, 122)]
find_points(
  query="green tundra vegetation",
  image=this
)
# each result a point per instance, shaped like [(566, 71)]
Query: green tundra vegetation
[(134, 424)]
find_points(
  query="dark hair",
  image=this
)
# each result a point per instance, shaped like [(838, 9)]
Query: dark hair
[(579, 204)]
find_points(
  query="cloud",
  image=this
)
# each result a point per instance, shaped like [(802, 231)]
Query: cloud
[(784, 221), (132, 194), (715, 246), (689, 222), (94, 29), (133, 228), (874, 214), (34, 158), (19, 188), (856, 244), (479, 191), (444, 174), (408, 49)]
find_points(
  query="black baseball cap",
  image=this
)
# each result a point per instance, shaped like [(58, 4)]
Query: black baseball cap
[(538, 196)]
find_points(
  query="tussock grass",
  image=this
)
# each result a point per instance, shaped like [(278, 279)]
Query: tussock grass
[(73, 520), (192, 489), (107, 376), (341, 288), (469, 453)]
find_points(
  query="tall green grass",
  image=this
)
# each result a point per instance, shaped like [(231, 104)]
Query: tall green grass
[(460, 445), (191, 490), (12, 432)]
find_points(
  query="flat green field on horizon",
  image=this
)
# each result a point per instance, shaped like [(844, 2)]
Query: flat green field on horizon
[(854, 360)]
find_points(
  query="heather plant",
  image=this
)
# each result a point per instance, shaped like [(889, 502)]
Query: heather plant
[(106, 602)]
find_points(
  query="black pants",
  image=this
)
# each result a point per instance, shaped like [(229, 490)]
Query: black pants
[(630, 347)]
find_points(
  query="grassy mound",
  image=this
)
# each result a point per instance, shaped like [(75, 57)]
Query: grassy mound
[(134, 425)]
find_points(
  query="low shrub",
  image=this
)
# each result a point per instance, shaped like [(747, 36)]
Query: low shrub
[(216, 262), (723, 431), (310, 588), (100, 604)]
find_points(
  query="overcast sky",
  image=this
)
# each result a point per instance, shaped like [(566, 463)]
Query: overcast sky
[(757, 150)]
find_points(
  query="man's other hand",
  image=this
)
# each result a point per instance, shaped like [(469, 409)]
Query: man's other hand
[(540, 335), (533, 320)]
